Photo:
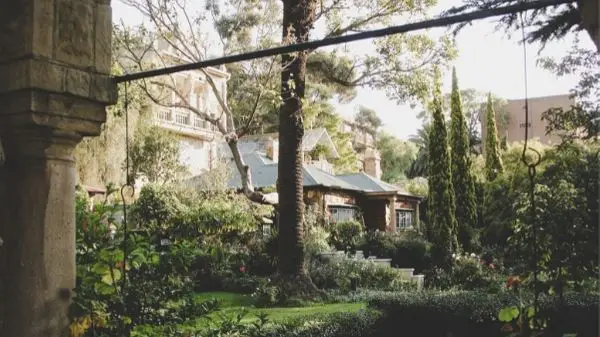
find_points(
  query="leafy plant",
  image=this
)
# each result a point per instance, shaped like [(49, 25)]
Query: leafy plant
[(113, 295), (346, 235)]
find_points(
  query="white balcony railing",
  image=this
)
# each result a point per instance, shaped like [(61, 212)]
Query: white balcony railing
[(165, 115), (184, 119), (323, 165)]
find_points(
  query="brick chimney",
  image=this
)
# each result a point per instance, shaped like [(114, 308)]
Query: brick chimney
[(372, 163), (273, 149)]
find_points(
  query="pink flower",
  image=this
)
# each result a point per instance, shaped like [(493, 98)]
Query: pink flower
[(242, 269), (512, 282), (492, 266)]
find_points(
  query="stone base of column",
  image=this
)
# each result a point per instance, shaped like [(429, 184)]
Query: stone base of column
[(38, 273)]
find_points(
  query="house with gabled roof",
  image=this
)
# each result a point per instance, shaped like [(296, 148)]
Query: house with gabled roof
[(341, 197)]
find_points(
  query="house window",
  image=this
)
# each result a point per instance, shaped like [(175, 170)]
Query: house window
[(266, 230), (342, 213), (404, 219)]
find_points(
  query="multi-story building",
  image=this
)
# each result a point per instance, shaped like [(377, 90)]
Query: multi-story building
[(511, 122), (363, 142), (198, 151)]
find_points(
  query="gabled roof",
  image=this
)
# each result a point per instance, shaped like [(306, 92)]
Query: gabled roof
[(368, 183), (316, 177), (264, 174)]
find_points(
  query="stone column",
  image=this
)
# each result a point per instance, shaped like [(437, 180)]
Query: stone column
[(417, 216), (54, 87), (392, 206)]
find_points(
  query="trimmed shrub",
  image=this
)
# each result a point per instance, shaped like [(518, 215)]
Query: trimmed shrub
[(359, 324), (346, 235), (476, 314), (406, 251), (156, 207)]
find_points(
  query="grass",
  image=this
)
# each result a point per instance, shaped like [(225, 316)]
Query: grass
[(232, 304)]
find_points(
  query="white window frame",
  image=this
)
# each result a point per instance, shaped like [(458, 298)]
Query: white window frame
[(404, 219), (340, 213)]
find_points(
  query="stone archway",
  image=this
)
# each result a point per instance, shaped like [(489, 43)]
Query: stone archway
[(54, 87)]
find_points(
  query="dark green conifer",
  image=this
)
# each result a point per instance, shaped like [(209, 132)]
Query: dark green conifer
[(442, 208), (462, 176), (493, 161)]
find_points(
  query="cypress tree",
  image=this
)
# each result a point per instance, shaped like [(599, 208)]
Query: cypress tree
[(493, 161), (462, 177), (442, 209)]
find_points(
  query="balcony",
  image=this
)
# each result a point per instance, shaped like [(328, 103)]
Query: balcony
[(184, 122), (321, 164)]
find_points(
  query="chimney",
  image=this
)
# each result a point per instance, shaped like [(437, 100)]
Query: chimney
[(273, 149), (372, 163)]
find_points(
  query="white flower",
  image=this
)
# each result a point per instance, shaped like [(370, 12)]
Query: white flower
[(473, 255), (454, 256)]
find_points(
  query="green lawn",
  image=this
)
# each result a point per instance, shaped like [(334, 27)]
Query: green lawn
[(232, 304)]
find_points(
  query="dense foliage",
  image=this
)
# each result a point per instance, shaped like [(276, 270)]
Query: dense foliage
[(493, 161), (154, 156), (442, 227), (462, 176), (405, 250), (115, 296), (476, 314)]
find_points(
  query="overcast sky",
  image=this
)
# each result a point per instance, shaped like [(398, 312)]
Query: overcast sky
[(488, 61)]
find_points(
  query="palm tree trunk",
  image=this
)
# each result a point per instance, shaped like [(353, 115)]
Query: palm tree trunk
[(298, 18)]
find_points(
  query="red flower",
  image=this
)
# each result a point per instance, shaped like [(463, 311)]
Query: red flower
[(242, 269), (513, 281)]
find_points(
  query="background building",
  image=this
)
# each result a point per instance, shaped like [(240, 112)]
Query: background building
[(511, 122)]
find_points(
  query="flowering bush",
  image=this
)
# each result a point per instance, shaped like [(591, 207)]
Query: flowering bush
[(469, 272), (341, 272), (265, 294)]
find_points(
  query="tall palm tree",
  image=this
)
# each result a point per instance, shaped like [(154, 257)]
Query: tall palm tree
[(418, 168), (298, 19)]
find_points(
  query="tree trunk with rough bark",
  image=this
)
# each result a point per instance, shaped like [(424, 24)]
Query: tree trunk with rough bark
[(298, 19)]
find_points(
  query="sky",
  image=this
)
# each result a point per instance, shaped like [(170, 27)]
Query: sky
[(487, 61)]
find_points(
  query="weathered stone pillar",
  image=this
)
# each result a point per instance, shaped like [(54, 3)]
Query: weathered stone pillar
[(392, 206), (417, 216), (54, 87)]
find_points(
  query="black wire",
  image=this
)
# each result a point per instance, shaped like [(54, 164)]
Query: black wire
[(439, 22)]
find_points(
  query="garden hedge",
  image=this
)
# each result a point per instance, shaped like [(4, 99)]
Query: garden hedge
[(475, 314), (344, 324)]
